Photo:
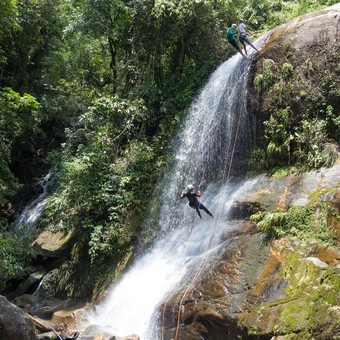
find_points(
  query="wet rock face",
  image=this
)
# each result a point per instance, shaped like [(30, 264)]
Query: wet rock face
[(243, 210), (257, 290), (210, 309)]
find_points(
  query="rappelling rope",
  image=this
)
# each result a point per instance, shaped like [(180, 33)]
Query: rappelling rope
[(214, 229), (199, 269), (196, 218)]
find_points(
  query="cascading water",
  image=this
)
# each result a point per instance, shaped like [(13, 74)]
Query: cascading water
[(32, 211), (205, 152)]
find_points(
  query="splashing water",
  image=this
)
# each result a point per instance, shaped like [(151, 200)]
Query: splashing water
[(33, 210), (204, 152)]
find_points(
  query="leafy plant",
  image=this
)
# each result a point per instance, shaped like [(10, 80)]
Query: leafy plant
[(257, 161), (15, 250), (271, 223), (19, 125), (278, 134), (268, 78), (105, 174), (287, 71), (313, 149), (252, 330), (258, 83), (310, 222)]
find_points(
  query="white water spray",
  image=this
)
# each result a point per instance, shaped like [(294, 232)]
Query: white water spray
[(202, 154), (33, 210)]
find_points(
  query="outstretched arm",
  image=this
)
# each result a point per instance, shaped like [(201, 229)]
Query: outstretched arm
[(248, 31)]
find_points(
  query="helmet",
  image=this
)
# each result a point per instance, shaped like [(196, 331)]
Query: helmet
[(190, 187), (233, 25)]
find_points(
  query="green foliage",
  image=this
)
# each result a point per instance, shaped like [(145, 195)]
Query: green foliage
[(9, 264), (333, 122), (105, 176), (258, 83), (257, 161), (8, 23), (314, 150), (29, 31), (267, 73), (268, 14), (265, 80), (287, 71), (304, 223), (271, 223), (252, 330), (309, 68), (287, 51), (19, 128), (279, 135), (14, 250), (300, 132), (8, 183), (303, 94)]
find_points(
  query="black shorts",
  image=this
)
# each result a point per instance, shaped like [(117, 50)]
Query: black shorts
[(194, 205), (234, 43)]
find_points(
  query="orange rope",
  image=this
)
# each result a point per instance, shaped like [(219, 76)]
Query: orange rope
[(194, 224), (214, 229)]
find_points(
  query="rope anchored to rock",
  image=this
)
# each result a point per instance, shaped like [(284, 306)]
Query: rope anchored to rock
[(49, 328)]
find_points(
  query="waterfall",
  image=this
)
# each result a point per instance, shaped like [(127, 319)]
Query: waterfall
[(33, 210), (204, 154)]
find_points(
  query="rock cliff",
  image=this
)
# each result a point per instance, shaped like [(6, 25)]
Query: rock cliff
[(287, 288), (283, 289)]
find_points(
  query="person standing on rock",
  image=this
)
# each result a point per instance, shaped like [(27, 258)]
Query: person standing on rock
[(243, 31), (193, 201), (231, 33)]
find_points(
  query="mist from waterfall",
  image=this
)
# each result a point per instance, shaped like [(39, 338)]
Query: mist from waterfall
[(203, 155)]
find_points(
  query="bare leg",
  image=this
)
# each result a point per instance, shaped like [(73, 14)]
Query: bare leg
[(240, 51)]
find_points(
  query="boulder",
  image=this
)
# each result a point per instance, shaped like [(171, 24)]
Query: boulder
[(49, 283), (53, 244), (29, 303), (32, 281), (310, 44), (14, 323), (74, 317), (131, 337)]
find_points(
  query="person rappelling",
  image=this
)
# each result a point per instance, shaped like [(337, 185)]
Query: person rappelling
[(193, 201), (243, 31), (231, 36)]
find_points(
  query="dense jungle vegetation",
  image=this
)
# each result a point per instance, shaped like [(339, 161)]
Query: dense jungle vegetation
[(97, 89)]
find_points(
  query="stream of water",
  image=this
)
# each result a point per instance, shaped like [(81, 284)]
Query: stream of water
[(33, 210), (216, 123)]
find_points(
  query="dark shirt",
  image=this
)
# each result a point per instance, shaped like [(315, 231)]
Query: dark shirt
[(192, 197)]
